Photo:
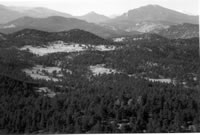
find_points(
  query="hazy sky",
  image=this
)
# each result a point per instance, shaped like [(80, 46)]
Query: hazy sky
[(106, 7)]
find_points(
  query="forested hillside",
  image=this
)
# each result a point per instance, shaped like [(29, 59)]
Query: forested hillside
[(133, 86)]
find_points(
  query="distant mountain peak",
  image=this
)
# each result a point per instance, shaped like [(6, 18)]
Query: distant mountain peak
[(94, 17), (40, 8), (153, 5), (150, 7), (92, 13), (156, 13), (150, 18)]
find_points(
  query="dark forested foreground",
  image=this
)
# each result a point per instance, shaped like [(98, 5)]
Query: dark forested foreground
[(110, 104), (125, 101)]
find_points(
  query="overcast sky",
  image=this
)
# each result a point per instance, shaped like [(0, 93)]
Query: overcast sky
[(106, 7)]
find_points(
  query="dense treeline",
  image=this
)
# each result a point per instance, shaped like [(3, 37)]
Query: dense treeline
[(110, 104)]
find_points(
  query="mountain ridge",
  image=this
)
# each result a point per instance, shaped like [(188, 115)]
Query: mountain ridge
[(38, 37), (156, 12), (41, 12), (94, 17), (55, 24), (151, 17), (8, 15)]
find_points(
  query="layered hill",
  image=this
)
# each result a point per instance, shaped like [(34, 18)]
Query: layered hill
[(40, 12), (150, 18), (11, 13), (8, 15), (36, 37), (55, 24)]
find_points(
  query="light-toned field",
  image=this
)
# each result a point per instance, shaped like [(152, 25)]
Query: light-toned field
[(65, 47), (100, 69), (44, 73)]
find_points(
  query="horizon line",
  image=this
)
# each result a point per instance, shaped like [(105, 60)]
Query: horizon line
[(73, 15)]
